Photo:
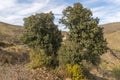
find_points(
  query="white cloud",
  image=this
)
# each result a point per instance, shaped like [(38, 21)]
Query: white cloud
[(117, 2), (34, 7), (99, 12), (86, 2), (13, 12), (106, 10), (6, 4), (56, 9), (13, 17)]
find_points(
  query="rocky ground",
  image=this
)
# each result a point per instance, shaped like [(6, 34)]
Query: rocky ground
[(20, 72)]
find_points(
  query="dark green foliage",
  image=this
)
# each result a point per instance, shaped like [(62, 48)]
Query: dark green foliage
[(86, 41), (42, 34), (68, 55)]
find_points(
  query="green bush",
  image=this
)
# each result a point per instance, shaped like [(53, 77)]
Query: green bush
[(39, 59), (67, 54), (76, 72), (43, 34), (116, 72)]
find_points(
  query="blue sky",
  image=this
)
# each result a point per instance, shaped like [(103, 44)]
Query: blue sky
[(13, 11)]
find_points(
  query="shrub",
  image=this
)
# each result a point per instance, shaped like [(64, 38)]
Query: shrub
[(76, 72), (39, 59), (67, 55), (116, 72), (43, 34)]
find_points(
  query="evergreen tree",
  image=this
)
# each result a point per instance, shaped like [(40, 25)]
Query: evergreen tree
[(43, 37), (86, 41)]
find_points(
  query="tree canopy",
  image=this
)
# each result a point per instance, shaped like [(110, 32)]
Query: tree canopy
[(86, 41), (42, 35)]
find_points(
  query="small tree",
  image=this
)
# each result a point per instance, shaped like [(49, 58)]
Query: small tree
[(86, 41), (43, 37)]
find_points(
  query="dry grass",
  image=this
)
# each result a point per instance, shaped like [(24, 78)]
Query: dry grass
[(9, 29), (108, 62), (113, 40), (111, 27), (20, 72), (10, 33)]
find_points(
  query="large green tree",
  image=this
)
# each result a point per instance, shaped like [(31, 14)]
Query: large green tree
[(43, 37), (86, 41)]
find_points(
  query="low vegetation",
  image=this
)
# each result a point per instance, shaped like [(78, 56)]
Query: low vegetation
[(75, 72), (116, 72)]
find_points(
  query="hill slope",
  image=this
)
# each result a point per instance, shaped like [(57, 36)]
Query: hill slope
[(10, 33), (113, 40), (111, 27), (112, 34)]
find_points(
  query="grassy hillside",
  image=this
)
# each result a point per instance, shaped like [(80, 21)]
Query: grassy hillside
[(111, 27), (113, 40), (10, 33), (10, 51), (112, 35)]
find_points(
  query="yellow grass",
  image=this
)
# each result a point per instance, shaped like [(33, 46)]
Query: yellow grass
[(113, 40), (111, 27), (10, 33)]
